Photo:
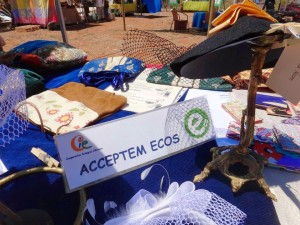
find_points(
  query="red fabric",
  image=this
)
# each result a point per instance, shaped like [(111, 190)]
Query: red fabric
[(157, 66), (31, 60)]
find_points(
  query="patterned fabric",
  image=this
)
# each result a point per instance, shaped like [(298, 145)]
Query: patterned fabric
[(265, 144), (235, 109), (57, 111), (288, 136), (61, 55), (242, 79), (113, 69), (31, 46), (48, 54), (295, 108), (166, 76), (34, 11), (261, 133)]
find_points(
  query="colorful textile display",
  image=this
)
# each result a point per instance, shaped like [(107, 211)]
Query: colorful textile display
[(115, 70), (12, 92), (166, 76), (39, 12), (71, 107), (288, 136), (265, 144)]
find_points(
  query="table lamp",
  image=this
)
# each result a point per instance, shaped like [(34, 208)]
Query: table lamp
[(246, 44)]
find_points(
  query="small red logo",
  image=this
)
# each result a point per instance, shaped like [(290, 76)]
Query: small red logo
[(78, 143)]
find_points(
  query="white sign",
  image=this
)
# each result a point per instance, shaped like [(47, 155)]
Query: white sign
[(103, 151), (285, 78)]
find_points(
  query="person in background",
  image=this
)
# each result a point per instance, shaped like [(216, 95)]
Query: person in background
[(106, 8), (5, 58), (269, 6), (2, 43), (99, 7)]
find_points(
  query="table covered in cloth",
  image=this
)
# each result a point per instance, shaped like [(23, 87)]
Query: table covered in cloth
[(46, 191)]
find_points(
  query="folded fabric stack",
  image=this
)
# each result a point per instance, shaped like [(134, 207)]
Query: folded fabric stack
[(71, 107)]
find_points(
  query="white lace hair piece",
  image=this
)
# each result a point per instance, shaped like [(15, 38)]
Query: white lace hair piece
[(12, 93), (182, 205)]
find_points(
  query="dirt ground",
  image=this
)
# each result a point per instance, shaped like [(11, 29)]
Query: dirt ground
[(106, 38)]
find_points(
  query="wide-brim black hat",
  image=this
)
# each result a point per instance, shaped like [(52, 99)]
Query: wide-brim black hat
[(227, 52)]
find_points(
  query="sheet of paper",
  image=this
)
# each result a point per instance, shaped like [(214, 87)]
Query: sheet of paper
[(215, 99), (285, 78), (3, 169), (143, 96)]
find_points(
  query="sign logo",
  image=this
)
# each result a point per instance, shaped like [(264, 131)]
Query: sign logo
[(196, 123), (78, 143)]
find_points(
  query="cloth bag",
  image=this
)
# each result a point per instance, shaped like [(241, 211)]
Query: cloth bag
[(71, 107)]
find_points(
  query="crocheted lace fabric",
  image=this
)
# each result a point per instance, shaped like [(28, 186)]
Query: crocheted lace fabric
[(12, 92), (182, 205)]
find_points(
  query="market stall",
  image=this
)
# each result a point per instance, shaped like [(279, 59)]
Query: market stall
[(129, 7), (39, 12)]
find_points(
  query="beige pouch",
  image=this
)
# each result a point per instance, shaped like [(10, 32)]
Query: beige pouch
[(103, 102)]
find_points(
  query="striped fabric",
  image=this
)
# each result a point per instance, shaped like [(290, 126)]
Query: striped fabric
[(39, 12)]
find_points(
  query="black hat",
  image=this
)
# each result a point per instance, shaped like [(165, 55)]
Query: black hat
[(225, 53)]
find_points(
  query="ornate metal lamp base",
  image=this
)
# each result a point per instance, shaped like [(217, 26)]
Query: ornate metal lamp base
[(249, 164), (226, 158)]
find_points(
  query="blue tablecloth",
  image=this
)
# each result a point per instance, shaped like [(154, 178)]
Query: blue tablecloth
[(46, 191)]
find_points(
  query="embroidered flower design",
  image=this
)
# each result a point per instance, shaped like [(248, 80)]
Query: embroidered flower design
[(39, 97), (52, 111), (76, 127), (66, 118)]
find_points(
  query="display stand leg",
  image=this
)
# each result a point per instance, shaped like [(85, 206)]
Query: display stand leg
[(239, 163)]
